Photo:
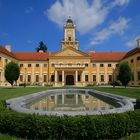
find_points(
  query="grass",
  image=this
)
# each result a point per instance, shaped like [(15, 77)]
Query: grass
[(7, 93), (7, 137), (129, 92)]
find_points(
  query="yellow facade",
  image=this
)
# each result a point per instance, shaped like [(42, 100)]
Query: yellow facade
[(133, 58), (69, 66)]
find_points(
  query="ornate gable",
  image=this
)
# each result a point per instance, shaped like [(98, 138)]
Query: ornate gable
[(67, 52)]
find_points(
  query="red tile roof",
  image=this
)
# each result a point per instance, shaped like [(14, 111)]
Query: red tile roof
[(35, 56), (107, 56), (6, 52), (132, 52), (31, 56)]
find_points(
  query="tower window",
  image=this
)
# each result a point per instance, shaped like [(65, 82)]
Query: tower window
[(69, 38)]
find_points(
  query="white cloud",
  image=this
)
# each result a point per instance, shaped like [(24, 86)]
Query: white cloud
[(133, 42), (115, 28), (29, 10), (120, 2), (86, 16)]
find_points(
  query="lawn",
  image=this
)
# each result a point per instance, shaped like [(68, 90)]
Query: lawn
[(7, 93), (7, 137), (129, 92)]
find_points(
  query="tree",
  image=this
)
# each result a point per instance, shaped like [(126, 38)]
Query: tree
[(124, 73), (42, 47), (12, 72)]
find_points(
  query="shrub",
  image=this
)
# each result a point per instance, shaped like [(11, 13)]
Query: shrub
[(110, 126)]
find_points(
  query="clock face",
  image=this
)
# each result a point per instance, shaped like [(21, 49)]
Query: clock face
[(69, 32)]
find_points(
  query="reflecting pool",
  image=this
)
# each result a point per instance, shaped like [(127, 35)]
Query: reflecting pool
[(69, 102)]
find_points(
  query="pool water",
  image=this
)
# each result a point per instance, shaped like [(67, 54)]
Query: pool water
[(69, 102)]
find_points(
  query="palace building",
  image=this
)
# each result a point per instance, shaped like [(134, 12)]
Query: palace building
[(69, 66)]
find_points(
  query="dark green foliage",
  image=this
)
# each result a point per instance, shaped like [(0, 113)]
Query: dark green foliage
[(125, 73), (12, 72), (111, 126), (42, 47)]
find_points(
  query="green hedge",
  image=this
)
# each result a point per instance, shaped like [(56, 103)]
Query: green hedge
[(111, 126)]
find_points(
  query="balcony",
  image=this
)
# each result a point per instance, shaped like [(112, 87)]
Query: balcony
[(69, 66)]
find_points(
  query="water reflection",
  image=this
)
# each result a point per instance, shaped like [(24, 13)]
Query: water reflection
[(69, 102)]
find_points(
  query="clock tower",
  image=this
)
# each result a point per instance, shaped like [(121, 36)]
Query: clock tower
[(69, 35)]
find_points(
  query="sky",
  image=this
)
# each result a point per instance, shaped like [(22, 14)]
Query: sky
[(101, 25)]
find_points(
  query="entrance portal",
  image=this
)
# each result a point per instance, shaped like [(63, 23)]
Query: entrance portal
[(69, 80)]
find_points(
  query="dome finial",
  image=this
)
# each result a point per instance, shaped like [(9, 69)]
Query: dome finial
[(69, 21)]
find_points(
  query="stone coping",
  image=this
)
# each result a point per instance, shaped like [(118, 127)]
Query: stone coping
[(123, 103)]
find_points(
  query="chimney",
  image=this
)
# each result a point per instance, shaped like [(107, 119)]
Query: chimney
[(8, 48), (93, 51), (40, 51), (138, 40)]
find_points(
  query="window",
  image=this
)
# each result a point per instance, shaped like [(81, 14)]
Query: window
[(94, 77), (138, 75), (101, 65), (117, 65), (86, 65), (132, 60), (37, 78), (52, 78), (37, 65), (86, 78), (109, 65), (69, 38), (110, 78), (29, 78), (52, 65), (60, 78), (21, 78), (60, 64), (45, 78), (93, 65), (138, 58), (21, 65), (102, 78), (45, 65), (78, 78), (0, 58), (29, 65)]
